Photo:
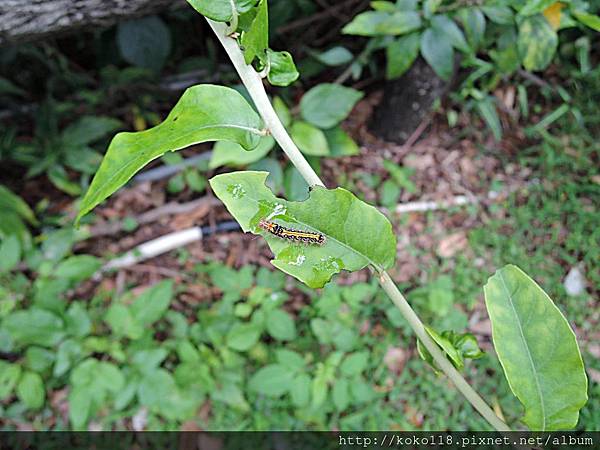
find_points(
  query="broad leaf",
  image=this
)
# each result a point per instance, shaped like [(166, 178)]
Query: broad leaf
[(401, 54), (453, 33), (144, 42), (221, 10), (437, 51), (356, 233), (379, 23), (273, 380), (537, 42), (233, 155), (474, 25), (31, 391), (255, 41), (309, 139), (204, 113), (587, 19), (537, 349), (328, 104)]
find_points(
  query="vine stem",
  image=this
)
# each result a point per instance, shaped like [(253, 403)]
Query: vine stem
[(253, 82)]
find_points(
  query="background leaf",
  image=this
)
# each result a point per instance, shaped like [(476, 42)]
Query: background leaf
[(328, 104), (204, 113), (537, 42), (336, 213), (144, 42), (537, 349), (437, 51)]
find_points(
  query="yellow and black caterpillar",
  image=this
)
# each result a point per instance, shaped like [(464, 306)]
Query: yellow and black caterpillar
[(293, 235)]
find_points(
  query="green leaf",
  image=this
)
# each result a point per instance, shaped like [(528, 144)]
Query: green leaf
[(474, 25), (283, 112), (231, 154), (401, 54), (78, 268), (309, 139), (9, 376), (80, 405), (337, 214), (221, 10), (30, 390), (535, 6), (280, 325), (59, 177), (12, 202), (341, 394), (290, 359), (300, 390), (335, 56), (35, 326), (243, 336), (255, 41), (328, 104), (487, 110), (590, 20), (69, 352), (38, 359), (437, 51), (282, 70), (122, 322), (537, 349), (500, 14), (296, 187), (354, 364), (144, 42), (379, 23), (537, 42), (89, 129), (10, 253), (340, 143), (453, 33), (370, 23), (153, 303), (204, 113), (273, 381)]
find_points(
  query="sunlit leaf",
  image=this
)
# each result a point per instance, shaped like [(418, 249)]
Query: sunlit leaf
[(537, 349), (204, 113), (336, 214)]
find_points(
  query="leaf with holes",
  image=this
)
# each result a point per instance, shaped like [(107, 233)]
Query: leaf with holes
[(356, 233), (537, 349), (204, 113)]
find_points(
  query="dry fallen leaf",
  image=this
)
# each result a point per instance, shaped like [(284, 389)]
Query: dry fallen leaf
[(395, 359), (452, 244)]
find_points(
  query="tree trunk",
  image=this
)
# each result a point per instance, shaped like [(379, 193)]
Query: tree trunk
[(26, 20), (406, 102)]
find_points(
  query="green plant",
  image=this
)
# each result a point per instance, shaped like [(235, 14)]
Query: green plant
[(494, 40), (357, 235)]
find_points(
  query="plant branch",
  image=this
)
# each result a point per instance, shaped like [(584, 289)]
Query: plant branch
[(256, 89), (461, 384)]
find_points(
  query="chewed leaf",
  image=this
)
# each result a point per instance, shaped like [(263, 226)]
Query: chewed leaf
[(356, 234), (204, 113), (537, 349)]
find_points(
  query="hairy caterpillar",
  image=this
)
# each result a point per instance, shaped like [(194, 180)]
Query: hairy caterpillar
[(293, 235)]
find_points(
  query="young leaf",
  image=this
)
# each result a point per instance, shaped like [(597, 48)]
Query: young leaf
[(356, 233), (282, 70), (280, 325), (328, 104), (537, 42), (256, 40), (474, 25), (537, 349), (204, 113)]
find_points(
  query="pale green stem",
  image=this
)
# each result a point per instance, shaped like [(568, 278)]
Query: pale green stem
[(256, 89), (253, 82)]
